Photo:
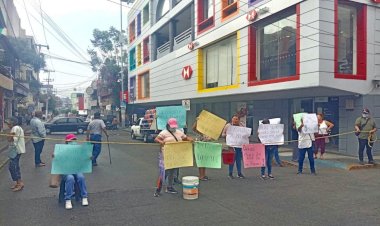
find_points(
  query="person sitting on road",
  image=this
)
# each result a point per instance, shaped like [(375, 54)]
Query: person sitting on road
[(170, 134), (70, 181)]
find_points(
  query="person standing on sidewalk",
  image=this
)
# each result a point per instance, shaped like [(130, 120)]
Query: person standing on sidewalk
[(305, 145), (324, 128), (365, 127), (203, 138), (94, 133), (17, 145), (38, 137), (235, 121), (269, 153)]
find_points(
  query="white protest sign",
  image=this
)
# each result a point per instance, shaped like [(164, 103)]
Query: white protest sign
[(271, 134), (272, 121), (237, 136), (310, 123)]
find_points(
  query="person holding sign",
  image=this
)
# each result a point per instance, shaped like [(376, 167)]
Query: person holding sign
[(324, 128), (269, 153), (235, 121), (70, 179), (305, 145), (170, 134), (16, 149), (204, 138)]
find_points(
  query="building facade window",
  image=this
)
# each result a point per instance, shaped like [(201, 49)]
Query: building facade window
[(144, 85), (132, 88), (139, 60), (146, 14), (350, 40), (252, 2), (273, 52), (138, 24), (132, 59), (220, 63), (146, 52), (205, 14), (229, 8), (163, 8), (132, 31)]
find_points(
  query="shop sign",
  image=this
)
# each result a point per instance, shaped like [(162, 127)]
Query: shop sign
[(187, 72)]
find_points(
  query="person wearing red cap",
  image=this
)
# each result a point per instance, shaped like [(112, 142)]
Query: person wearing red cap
[(71, 178), (170, 134), (365, 127)]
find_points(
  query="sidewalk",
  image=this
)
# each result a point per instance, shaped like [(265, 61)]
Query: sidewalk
[(4, 144)]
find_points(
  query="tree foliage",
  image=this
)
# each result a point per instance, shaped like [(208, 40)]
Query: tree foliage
[(27, 53)]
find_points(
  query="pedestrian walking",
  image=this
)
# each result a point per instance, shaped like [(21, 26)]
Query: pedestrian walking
[(38, 137), (94, 133), (170, 134), (16, 149), (70, 180), (365, 129), (324, 128), (204, 138), (269, 153), (235, 121), (305, 145)]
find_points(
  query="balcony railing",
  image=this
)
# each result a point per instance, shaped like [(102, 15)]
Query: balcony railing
[(182, 39), (163, 50)]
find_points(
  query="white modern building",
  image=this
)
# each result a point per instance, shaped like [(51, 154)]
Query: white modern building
[(272, 57)]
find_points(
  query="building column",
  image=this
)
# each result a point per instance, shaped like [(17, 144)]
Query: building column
[(192, 18), (171, 34), (153, 48)]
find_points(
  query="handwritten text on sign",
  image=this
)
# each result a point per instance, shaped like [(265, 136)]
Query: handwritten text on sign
[(237, 136), (310, 123), (208, 154), (271, 134), (178, 154), (165, 113), (210, 124), (72, 159), (253, 155)]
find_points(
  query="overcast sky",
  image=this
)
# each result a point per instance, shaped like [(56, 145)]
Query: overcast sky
[(77, 18)]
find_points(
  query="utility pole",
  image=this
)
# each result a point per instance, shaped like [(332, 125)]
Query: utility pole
[(48, 80)]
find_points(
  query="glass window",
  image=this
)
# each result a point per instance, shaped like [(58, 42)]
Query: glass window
[(139, 54), (205, 14), (132, 59), (276, 43), (163, 7), (138, 24), (132, 88), (146, 14), (132, 31), (146, 49), (220, 63), (229, 7), (72, 120), (144, 85), (208, 9), (347, 25), (60, 121)]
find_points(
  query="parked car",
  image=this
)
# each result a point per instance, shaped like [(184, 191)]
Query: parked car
[(66, 124)]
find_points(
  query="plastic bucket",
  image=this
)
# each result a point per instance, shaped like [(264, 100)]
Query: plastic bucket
[(228, 157), (190, 187)]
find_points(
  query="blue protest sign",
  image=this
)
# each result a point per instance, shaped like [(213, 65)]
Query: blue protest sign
[(164, 113)]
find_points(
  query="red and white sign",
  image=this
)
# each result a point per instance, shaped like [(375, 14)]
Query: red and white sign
[(376, 1), (187, 72), (190, 46), (251, 15)]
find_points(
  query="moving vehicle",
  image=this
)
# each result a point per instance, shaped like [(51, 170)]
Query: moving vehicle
[(66, 124)]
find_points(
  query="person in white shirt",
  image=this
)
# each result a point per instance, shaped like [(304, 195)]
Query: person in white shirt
[(305, 144), (17, 143)]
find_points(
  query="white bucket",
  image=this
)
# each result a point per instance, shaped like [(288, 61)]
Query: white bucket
[(190, 187)]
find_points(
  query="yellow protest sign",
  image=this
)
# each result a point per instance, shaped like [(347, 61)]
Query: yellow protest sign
[(210, 124), (178, 154)]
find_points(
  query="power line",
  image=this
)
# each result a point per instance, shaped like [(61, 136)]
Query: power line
[(30, 24), (44, 31)]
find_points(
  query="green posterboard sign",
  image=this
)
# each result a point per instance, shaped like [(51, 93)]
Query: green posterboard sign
[(208, 154), (72, 159), (297, 119)]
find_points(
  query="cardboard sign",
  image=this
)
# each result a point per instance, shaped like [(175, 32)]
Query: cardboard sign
[(72, 159), (310, 123), (237, 136), (253, 155), (297, 119), (165, 113), (208, 154), (271, 134), (210, 124), (178, 154)]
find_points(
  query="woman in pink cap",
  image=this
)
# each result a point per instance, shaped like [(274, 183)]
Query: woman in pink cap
[(170, 134)]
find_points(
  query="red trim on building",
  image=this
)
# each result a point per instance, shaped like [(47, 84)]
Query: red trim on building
[(252, 56), (203, 24), (361, 43)]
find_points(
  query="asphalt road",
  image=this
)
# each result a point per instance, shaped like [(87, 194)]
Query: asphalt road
[(122, 194)]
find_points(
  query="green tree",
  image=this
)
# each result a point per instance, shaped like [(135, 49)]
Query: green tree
[(27, 53)]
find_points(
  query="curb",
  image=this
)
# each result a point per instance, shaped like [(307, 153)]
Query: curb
[(359, 167)]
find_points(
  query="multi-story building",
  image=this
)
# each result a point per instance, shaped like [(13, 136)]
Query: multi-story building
[(271, 57)]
